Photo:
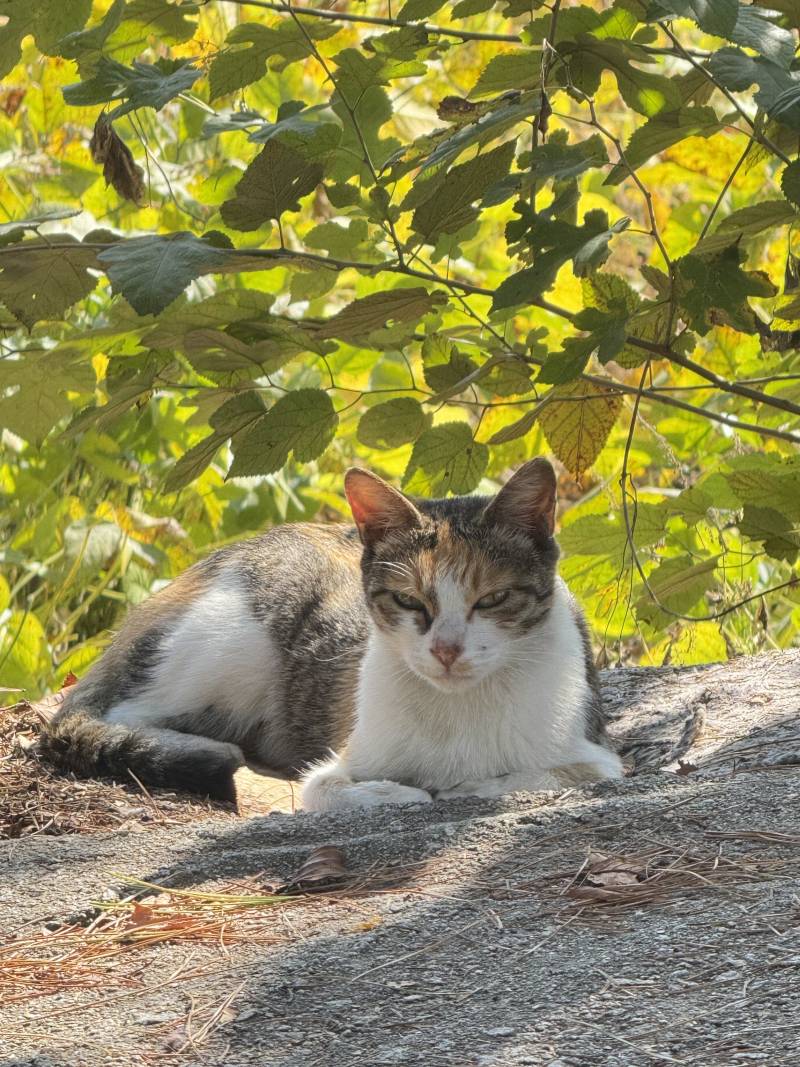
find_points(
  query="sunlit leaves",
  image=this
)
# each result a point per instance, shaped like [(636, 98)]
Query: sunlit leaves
[(450, 206), (714, 289), (376, 311), (47, 20), (302, 422), (446, 459), (275, 182), (141, 85), (678, 585), (778, 89), (747, 222), (660, 132), (250, 45), (392, 423), (553, 243), (37, 387), (40, 279)]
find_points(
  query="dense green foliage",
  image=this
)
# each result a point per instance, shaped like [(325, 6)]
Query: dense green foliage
[(242, 248)]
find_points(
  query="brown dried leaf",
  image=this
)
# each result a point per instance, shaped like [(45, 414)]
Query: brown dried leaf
[(323, 870), (611, 880), (45, 708), (456, 109), (10, 101), (119, 168), (685, 767)]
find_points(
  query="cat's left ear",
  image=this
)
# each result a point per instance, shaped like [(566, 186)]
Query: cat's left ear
[(378, 509), (527, 500)]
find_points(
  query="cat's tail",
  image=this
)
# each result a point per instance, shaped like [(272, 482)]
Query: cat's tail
[(79, 741)]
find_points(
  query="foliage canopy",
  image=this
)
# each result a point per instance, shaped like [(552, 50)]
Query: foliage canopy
[(244, 246)]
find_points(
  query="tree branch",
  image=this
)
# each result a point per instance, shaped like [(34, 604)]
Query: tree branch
[(375, 20)]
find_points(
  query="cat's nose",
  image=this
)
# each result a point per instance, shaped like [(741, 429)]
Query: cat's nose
[(447, 652)]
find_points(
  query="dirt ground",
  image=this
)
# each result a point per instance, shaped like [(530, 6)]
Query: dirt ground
[(651, 921)]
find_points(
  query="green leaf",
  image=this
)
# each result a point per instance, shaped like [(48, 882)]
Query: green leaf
[(414, 10), (287, 41), (577, 422), (446, 459), (11, 232), (302, 422), (678, 585), (556, 159), (275, 182), (607, 334), (715, 288), (790, 182), (442, 377), (23, 650), (553, 243), (747, 222), (141, 85), (487, 128), (374, 312), (301, 128), (647, 93), (660, 132), (38, 384), (40, 279), (233, 416), (763, 482), (780, 536), (150, 272), (756, 29), (567, 364), (391, 424), (779, 90), (510, 70), (47, 20), (606, 535), (519, 428), (714, 16), (127, 29), (450, 207), (193, 462)]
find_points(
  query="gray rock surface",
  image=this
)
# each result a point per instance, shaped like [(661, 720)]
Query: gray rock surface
[(471, 943)]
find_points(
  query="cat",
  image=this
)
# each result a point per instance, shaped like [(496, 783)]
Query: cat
[(429, 651)]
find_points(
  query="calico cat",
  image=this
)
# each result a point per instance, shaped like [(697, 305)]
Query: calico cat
[(429, 651)]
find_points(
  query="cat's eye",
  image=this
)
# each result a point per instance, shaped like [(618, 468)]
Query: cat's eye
[(410, 603), (491, 600)]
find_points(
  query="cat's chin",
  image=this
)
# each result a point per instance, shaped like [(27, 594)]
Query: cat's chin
[(452, 683)]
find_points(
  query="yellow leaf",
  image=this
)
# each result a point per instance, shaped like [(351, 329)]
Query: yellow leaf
[(577, 422)]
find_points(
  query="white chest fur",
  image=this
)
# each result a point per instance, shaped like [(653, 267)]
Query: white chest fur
[(527, 716)]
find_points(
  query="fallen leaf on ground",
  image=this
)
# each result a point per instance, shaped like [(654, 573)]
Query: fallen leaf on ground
[(324, 869)]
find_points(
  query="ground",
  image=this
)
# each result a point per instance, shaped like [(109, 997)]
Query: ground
[(650, 921)]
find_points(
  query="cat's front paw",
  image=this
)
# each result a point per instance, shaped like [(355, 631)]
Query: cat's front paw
[(370, 794), (488, 787)]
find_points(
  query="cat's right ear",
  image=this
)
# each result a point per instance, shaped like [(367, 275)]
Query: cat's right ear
[(377, 508)]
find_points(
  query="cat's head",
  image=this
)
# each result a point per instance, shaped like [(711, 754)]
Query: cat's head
[(456, 586)]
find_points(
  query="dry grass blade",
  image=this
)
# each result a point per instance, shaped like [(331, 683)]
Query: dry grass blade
[(77, 957), (617, 882), (771, 836), (200, 1021)]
